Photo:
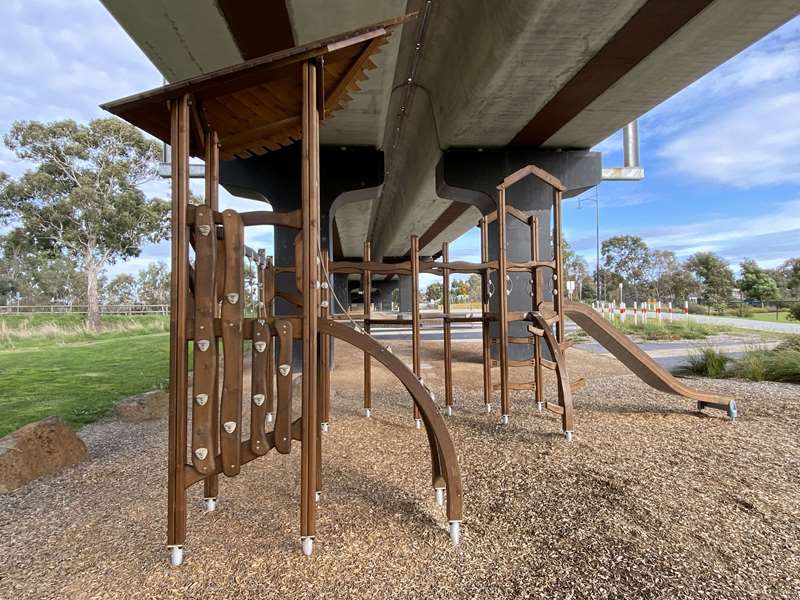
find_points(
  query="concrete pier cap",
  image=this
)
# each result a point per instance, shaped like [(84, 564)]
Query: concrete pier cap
[(471, 176)]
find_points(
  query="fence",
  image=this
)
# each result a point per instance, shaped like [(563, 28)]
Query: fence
[(105, 309)]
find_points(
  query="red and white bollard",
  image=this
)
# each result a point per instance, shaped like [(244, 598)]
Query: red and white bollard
[(686, 309), (635, 313), (670, 312), (622, 311), (658, 311)]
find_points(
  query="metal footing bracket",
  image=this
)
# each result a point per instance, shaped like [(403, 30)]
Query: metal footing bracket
[(209, 504), (439, 496), (175, 555), (448, 411), (308, 545), (488, 408), (568, 436), (317, 496), (503, 419), (455, 532), (269, 417), (732, 410), (367, 412), (540, 406), (324, 427), (418, 423)]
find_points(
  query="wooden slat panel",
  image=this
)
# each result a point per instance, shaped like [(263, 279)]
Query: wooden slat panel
[(232, 339), (204, 392), (283, 413), (262, 347)]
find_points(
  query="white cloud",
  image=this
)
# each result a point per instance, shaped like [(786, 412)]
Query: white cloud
[(753, 144)]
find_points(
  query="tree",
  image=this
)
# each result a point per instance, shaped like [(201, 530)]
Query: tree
[(121, 290), (626, 259), (434, 292), (81, 199), (787, 277), (714, 275), (152, 284), (668, 279), (756, 283), (458, 290), (474, 287)]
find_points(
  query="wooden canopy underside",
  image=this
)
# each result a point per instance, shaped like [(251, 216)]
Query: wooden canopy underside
[(256, 106)]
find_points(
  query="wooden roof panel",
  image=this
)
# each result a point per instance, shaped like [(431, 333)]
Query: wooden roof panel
[(256, 106)]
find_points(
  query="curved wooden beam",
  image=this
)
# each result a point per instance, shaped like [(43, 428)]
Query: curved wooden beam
[(443, 454), (564, 388)]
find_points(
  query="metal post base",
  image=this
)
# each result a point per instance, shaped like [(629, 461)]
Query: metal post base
[(317, 496), (449, 411), (209, 504), (308, 545), (439, 496), (324, 427), (269, 417), (503, 419), (568, 436), (488, 408), (175, 555), (418, 423), (367, 412), (455, 532), (732, 410), (540, 406)]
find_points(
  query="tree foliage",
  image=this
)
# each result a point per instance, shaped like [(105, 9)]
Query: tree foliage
[(626, 259), (755, 283), (434, 292), (714, 276), (81, 200)]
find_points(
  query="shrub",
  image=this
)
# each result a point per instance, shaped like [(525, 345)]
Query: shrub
[(794, 311), (708, 362)]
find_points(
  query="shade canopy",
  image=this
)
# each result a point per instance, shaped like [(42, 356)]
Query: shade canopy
[(256, 106)]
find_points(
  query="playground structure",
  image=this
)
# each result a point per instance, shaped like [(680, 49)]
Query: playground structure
[(258, 106)]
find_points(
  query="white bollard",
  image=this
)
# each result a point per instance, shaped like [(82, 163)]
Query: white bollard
[(622, 311), (686, 309), (635, 313), (658, 311), (670, 312)]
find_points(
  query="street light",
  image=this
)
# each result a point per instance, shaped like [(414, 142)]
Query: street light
[(597, 234)]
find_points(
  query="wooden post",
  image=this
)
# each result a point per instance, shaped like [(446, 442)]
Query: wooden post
[(558, 279), (178, 354), (310, 292), (324, 352), (485, 329), (448, 349), (536, 299), (415, 324), (502, 291), (211, 483), (366, 289)]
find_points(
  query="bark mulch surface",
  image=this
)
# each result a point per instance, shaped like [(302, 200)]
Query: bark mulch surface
[(651, 500)]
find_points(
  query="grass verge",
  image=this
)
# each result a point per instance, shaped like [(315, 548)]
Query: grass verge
[(669, 330)]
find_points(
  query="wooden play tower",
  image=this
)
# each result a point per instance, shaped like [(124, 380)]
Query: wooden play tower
[(263, 105)]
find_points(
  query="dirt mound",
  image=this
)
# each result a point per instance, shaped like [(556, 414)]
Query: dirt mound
[(41, 448)]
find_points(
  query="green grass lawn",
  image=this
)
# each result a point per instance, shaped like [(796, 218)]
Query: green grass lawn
[(50, 365), (782, 317)]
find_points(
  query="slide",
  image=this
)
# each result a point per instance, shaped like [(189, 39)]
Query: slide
[(638, 361)]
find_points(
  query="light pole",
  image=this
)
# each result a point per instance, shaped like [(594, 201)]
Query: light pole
[(597, 237)]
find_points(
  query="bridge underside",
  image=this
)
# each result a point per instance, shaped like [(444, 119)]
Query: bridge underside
[(476, 75)]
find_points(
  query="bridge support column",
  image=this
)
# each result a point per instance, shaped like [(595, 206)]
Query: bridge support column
[(472, 176), (275, 178)]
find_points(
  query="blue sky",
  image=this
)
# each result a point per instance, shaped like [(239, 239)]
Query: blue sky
[(722, 157)]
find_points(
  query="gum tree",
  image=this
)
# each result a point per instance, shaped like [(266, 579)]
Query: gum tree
[(81, 198)]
